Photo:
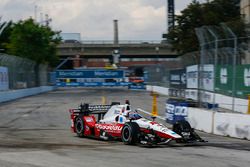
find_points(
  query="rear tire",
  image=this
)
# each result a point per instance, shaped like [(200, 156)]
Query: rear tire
[(130, 133), (79, 126)]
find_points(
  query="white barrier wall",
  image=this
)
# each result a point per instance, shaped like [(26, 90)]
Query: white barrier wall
[(200, 119), (15, 94), (241, 105), (233, 125), (225, 124)]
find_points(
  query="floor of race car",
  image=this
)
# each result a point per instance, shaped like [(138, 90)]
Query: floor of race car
[(34, 132)]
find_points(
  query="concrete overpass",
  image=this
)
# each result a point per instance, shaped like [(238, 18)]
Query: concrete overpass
[(104, 49)]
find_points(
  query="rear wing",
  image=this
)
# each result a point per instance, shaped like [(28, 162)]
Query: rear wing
[(87, 109)]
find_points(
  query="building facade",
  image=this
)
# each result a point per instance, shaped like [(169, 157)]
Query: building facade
[(245, 10)]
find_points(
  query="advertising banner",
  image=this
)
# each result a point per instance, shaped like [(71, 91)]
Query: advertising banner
[(91, 84), (176, 111), (90, 74), (207, 74), (177, 79), (224, 79), (243, 80), (4, 79), (192, 77), (208, 77)]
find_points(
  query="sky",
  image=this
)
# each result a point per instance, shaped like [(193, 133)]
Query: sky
[(138, 19)]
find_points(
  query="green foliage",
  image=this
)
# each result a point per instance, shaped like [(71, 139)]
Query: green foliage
[(183, 36), (33, 41), (6, 29)]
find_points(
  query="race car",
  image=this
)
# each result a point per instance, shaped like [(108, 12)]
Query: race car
[(120, 122)]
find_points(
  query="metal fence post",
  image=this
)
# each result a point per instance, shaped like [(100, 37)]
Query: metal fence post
[(234, 64), (215, 62), (234, 73)]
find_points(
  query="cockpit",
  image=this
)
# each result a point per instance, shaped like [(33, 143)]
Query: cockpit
[(134, 115)]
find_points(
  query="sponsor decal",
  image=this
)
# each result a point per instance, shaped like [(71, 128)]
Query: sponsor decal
[(89, 119), (223, 76), (86, 128), (154, 123), (247, 77), (106, 73), (109, 127)]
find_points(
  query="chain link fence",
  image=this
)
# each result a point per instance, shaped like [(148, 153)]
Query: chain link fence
[(218, 75), (24, 73)]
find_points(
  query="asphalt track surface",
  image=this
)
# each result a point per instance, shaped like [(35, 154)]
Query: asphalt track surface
[(34, 132)]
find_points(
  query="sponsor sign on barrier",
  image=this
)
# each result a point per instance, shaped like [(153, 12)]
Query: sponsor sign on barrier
[(177, 78), (137, 86), (243, 80), (176, 111), (208, 77), (4, 79), (224, 80), (91, 84), (192, 77), (207, 74), (90, 74)]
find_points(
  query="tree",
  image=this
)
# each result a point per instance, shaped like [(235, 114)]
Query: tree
[(33, 41), (183, 36), (5, 31)]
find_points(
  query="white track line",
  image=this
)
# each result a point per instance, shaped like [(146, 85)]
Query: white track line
[(146, 112)]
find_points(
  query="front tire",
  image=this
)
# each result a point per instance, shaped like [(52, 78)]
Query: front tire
[(79, 125), (130, 133), (183, 127)]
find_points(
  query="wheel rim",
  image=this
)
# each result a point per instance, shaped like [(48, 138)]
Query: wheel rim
[(126, 133), (79, 126)]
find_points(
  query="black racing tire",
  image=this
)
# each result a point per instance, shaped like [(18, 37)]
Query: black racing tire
[(130, 133), (182, 126), (79, 126)]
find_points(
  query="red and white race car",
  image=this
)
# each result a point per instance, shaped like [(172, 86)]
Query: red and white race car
[(117, 121)]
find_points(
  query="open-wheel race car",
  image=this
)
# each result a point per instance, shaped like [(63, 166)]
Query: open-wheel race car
[(116, 121)]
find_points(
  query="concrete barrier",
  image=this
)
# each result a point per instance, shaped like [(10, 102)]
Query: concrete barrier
[(241, 105), (200, 119), (225, 124), (15, 94), (233, 125)]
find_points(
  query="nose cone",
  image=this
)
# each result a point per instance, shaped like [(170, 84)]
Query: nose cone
[(175, 135)]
